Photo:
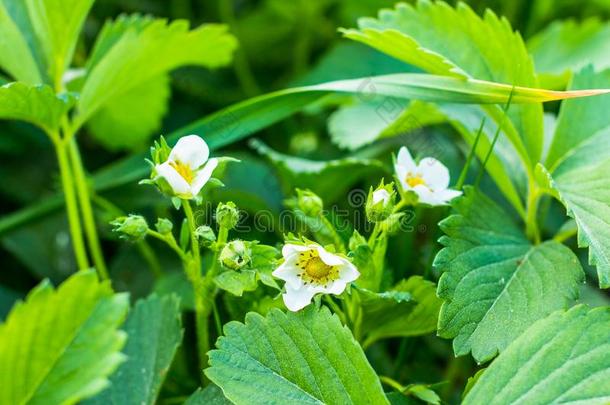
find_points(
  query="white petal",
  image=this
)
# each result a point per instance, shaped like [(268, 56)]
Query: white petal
[(191, 150), (381, 195), (203, 175), (444, 196), (348, 272), (296, 299), (337, 287), (173, 178), (425, 195), (329, 258), (289, 272), (289, 249), (405, 160), (434, 173)]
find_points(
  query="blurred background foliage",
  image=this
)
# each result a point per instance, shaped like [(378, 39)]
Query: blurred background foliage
[(282, 44)]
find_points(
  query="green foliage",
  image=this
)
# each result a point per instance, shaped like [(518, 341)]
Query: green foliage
[(16, 57), (69, 337), (128, 121), (145, 50), (470, 46), (210, 395), (305, 357), (578, 163), (565, 47), (560, 359), (37, 105), (57, 25), (408, 309), (154, 331), (494, 282)]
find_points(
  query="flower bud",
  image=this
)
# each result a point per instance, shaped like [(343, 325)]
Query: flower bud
[(380, 202), (205, 235), (164, 226), (309, 203), (235, 255), (227, 215), (132, 227)]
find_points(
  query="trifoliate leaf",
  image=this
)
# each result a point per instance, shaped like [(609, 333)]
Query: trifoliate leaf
[(137, 52), (578, 162), (306, 357), (60, 345), (154, 332), (560, 359), (37, 105), (495, 283)]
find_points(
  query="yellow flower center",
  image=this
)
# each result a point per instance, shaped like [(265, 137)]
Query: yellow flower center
[(316, 268), (315, 271), (183, 170), (415, 180)]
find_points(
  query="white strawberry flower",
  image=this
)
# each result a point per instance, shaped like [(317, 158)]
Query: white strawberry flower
[(186, 170), (429, 179), (309, 270)]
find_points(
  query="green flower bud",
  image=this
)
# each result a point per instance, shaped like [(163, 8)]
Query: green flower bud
[(132, 227), (227, 215), (380, 202), (309, 203), (205, 235), (235, 255), (164, 226)]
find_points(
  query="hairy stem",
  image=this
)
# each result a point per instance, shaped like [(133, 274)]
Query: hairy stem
[(84, 199), (531, 219)]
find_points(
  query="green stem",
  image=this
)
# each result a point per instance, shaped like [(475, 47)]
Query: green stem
[(338, 242), (531, 219), (391, 383), (171, 242), (190, 218), (67, 182), (84, 199)]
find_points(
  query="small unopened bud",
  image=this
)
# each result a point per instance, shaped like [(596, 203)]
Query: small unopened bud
[(132, 227), (227, 215), (309, 203), (205, 235), (235, 255), (380, 203), (164, 226)]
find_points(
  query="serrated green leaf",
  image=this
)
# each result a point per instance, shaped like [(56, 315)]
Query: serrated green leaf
[(560, 359), (128, 121), (145, 51), (578, 162), (69, 337), (37, 105), (57, 26), (154, 333), (16, 57), (470, 46), (210, 395), (306, 357), (494, 282), (418, 316), (565, 47)]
